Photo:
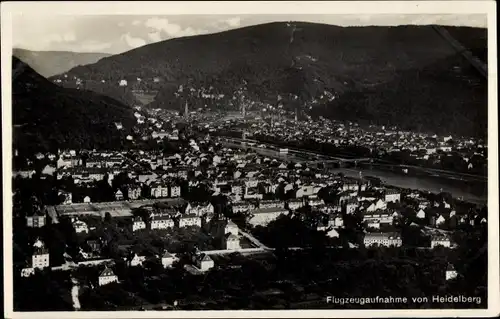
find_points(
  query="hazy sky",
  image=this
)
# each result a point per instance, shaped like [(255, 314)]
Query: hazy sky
[(120, 33)]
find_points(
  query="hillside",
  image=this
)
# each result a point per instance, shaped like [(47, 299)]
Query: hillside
[(49, 63), (321, 64), (47, 117)]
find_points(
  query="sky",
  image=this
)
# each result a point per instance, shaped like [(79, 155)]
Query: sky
[(119, 33)]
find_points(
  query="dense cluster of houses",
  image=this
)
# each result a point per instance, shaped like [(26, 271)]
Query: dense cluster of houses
[(245, 178), (422, 147), (259, 187)]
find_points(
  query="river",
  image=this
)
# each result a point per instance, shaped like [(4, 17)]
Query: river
[(473, 191), (434, 185)]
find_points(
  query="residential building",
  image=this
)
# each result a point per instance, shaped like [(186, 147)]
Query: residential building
[(451, 273), (264, 216), (378, 205), (232, 242), (67, 197), (79, 226), (133, 192), (36, 220), (382, 239), (392, 196), (199, 209), (332, 233), (271, 204), (119, 195), (421, 214), (315, 202), (162, 222), (378, 217), (167, 259), (138, 224), (242, 206), (136, 260), (440, 240), (203, 262), (351, 206), (336, 220), (295, 204), (107, 276), (189, 220), (175, 190), (231, 228), (158, 190), (40, 256)]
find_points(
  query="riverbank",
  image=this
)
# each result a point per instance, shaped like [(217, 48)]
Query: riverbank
[(431, 184)]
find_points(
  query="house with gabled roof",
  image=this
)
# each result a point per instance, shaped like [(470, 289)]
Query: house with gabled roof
[(162, 222), (392, 196), (189, 220), (37, 219), (231, 228), (382, 239), (232, 242), (167, 259), (107, 276), (440, 240), (203, 262), (451, 273)]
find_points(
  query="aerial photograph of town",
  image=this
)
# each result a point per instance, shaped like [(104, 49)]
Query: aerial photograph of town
[(249, 162)]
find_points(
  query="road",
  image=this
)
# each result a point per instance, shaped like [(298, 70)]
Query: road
[(51, 211), (254, 240), (75, 295)]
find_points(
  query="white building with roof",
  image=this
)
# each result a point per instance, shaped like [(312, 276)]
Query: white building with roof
[(162, 222), (203, 262), (440, 240), (392, 196), (231, 228), (232, 242), (264, 216), (107, 276), (451, 273), (167, 259), (138, 224), (189, 220), (383, 239), (79, 226), (40, 256)]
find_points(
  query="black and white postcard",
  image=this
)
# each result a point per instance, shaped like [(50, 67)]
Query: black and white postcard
[(239, 159)]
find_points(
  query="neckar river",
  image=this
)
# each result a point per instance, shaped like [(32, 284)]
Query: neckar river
[(457, 189), (474, 192)]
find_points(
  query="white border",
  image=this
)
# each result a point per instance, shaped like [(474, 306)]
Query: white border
[(267, 8)]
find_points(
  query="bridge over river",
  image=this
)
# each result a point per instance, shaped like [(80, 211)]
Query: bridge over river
[(431, 180), (291, 155)]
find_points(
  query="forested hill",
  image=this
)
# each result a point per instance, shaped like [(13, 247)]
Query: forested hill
[(321, 64), (47, 117), (49, 63)]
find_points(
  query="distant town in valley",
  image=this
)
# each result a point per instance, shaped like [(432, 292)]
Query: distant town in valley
[(138, 191)]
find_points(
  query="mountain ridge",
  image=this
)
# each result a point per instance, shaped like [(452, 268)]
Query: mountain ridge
[(50, 63), (47, 117), (295, 58)]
